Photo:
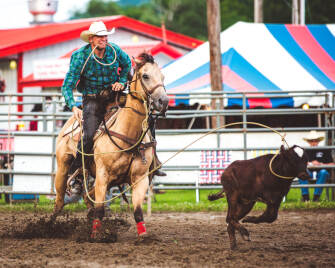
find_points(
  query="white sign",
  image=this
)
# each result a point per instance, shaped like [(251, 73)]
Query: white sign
[(24, 163), (50, 68)]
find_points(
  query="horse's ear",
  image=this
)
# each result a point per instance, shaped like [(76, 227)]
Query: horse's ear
[(138, 62)]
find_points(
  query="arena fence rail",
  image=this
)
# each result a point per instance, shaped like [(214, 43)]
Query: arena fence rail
[(15, 137)]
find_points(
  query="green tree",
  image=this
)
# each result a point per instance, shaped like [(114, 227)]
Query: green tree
[(233, 11), (97, 8), (189, 16), (320, 11)]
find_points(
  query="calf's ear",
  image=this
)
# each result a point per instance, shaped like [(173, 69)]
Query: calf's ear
[(282, 149)]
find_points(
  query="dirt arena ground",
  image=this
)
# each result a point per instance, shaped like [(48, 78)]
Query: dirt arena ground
[(297, 239)]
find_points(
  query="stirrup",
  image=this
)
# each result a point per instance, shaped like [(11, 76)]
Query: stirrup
[(73, 176), (75, 184)]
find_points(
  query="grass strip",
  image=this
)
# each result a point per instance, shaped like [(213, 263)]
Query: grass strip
[(173, 201)]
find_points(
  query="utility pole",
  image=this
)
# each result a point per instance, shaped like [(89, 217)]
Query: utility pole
[(214, 29), (258, 11), (302, 12), (295, 12)]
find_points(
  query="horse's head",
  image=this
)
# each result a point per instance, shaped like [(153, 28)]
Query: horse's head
[(152, 82)]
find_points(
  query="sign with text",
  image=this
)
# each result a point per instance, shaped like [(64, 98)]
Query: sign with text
[(51, 68)]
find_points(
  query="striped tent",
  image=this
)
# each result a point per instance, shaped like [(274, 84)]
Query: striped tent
[(262, 57)]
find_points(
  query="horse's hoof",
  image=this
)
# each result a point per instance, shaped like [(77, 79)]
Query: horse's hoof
[(245, 237), (90, 214), (55, 214), (53, 217), (143, 235), (233, 246), (144, 238), (94, 235)]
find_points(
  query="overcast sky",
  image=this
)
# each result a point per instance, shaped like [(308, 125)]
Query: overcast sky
[(15, 13)]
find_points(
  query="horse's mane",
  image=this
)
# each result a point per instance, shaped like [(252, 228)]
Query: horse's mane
[(145, 57)]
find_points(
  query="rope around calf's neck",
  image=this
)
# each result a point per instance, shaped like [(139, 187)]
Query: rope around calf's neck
[(274, 173), (181, 150)]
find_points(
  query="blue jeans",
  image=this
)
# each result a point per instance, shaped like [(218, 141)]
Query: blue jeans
[(321, 178)]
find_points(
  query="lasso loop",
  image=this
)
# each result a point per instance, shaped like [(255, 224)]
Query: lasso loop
[(105, 64)]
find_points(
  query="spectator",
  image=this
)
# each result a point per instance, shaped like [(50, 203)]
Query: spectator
[(33, 124), (316, 157), (48, 108), (2, 85), (7, 164)]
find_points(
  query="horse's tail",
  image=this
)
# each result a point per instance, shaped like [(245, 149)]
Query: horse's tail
[(216, 196)]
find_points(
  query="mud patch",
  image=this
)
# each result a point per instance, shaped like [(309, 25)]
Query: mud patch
[(148, 239), (64, 227)]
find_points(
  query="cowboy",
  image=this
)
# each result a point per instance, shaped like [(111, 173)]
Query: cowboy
[(316, 157), (94, 68)]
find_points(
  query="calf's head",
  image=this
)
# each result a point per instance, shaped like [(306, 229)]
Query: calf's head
[(297, 160)]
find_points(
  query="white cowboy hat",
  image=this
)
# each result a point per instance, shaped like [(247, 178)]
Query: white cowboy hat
[(313, 135), (96, 28)]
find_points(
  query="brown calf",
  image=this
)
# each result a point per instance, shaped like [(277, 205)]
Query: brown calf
[(247, 181)]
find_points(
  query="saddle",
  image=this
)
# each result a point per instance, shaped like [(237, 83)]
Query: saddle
[(109, 120), (74, 130)]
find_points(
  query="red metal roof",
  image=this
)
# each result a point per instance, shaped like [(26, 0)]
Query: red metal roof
[(14, 41)]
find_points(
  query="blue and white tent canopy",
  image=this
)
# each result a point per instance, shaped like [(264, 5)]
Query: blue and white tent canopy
[(262, 57)]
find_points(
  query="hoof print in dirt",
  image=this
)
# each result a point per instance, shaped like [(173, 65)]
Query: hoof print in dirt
[(104, 235), (147, 239)]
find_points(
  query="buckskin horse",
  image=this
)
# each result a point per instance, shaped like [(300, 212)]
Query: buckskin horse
[(111, 165)]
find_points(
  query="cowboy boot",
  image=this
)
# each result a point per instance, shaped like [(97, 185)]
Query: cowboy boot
[(316, 198), (157, 172), (305, 197)]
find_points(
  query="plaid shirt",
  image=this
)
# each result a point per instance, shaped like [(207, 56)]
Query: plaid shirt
[(95, 76)]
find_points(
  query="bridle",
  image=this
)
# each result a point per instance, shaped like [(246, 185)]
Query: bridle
[(147, 91)]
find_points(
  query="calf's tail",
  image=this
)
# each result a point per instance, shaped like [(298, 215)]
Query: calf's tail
[(216, 196)]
